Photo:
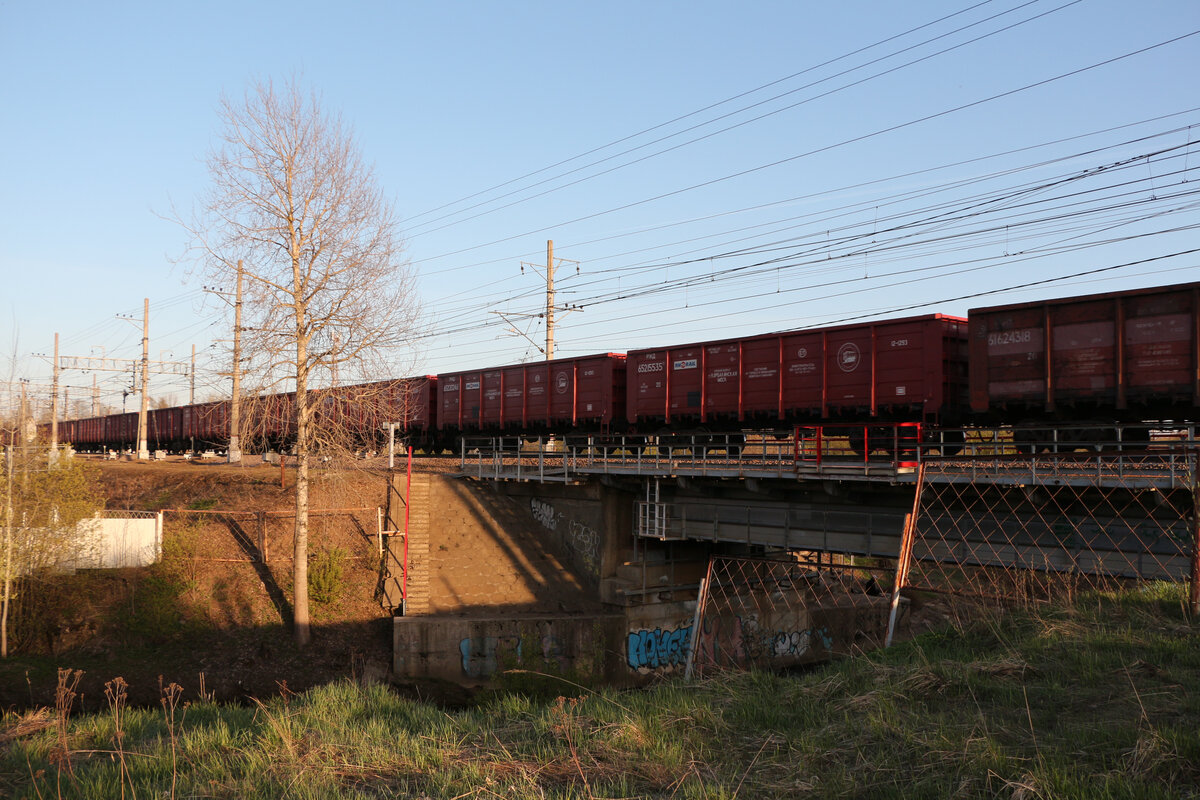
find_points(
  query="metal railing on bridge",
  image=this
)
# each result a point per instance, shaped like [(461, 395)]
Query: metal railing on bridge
[(839, 451), (891, 453)]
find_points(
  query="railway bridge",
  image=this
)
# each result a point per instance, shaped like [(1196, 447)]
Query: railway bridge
[(709, 550)]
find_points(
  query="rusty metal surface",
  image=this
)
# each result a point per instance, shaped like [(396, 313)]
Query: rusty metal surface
[(1105, 353)]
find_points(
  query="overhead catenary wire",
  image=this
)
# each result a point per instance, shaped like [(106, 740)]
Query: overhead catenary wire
[(850, 187), (725, 299), (701, 110), (821, 149), (467, 311), (1024, 189), (749, 121)]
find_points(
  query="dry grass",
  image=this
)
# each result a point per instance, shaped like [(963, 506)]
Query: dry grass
[(25, 723), (1018, 707)]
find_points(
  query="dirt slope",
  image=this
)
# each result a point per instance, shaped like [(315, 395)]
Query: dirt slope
[(211, 606), (218, 604)]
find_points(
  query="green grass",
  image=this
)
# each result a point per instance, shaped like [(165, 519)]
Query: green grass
[(1096, 700)]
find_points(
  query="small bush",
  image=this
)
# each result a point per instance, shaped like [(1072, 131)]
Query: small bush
[(325, 575)]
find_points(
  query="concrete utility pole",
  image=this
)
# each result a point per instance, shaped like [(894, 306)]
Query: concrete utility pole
[(54, 403), (549, 299), (235, 403), (551, 308), (143, 452), (235, 407), (27, 425), (95, 398)]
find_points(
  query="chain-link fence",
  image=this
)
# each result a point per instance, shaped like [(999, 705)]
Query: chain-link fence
[(1010, 529), (258, 536), (775, 613), (1005, 527)]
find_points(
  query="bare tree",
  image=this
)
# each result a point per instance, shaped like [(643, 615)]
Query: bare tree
[(43, 500), (329, 294)]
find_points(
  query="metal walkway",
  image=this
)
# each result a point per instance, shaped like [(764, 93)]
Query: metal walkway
[(1130, 457)]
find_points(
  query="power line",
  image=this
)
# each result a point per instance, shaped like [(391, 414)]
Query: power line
[(992, 197), (825, 148), (744, 122), (700, 110)]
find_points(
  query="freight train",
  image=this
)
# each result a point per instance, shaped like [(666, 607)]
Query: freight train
[(1105, 358)]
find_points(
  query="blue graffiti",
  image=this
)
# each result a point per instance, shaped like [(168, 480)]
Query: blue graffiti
[(482, 655), (657, 649)]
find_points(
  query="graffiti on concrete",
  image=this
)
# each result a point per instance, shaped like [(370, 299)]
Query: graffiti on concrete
[(582, 540), (721, 642), (486, 655), (658, 649), (737, 641), (786, 644), (544, 513), (586, 542)]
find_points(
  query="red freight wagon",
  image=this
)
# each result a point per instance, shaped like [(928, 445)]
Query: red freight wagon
[(895, 369), (121, 429), (84, 429), (206, 423), (165, 428), (271, 419), (1107, 353), (565, 393), (366, 409), (96, 433), (414, 403), (91, 432)]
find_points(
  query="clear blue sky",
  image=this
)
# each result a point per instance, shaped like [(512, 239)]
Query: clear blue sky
[(109, 110)]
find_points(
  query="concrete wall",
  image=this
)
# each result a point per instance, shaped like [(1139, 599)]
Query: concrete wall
[(639, 645), (590, 526), (115, 542), (102, 542), (659, 637), (470, 650)]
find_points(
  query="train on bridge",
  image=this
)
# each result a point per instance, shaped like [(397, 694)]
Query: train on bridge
[(1110, 358)]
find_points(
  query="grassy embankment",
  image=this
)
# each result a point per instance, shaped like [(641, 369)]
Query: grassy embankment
[(1094, 701)]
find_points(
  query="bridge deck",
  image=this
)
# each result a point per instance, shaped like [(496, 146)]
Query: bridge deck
[(1143, 463)]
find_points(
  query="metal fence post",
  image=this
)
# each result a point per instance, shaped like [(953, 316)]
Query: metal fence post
[(697, 619), (1194, 591), (905, 560)]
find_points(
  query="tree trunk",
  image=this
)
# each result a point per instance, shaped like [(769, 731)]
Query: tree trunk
[(301, 629)]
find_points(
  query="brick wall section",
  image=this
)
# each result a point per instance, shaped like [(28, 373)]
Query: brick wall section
[(472, 551), (418, 546)]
